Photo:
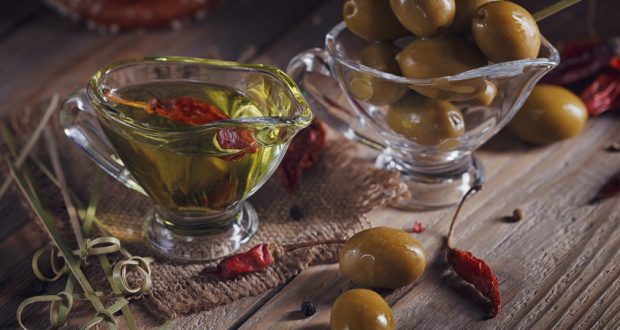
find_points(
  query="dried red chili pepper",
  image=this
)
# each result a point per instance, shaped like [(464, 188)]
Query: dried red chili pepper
[(194, 112), (186, 110), (603, 94), (258, 258), (582, 59), (610, 189), (471, 269), (302, 154)]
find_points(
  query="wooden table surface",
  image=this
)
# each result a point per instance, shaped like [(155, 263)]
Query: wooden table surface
[(559, 267)]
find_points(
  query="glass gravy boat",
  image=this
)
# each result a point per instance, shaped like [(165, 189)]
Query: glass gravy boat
[(436, 164), (198, 184)]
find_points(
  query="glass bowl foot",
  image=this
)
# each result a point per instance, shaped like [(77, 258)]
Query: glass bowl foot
[(436, 190), (200, 238)]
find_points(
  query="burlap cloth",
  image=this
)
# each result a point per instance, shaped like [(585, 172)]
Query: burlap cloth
[(334, 197)]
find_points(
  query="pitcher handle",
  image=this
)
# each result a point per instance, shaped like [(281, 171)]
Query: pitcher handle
[(79, 122), (316, 60)]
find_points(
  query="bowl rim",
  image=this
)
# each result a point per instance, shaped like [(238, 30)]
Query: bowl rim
[(510, 68), (301, 119)]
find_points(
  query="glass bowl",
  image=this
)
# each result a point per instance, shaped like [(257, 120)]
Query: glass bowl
[(432, 149)]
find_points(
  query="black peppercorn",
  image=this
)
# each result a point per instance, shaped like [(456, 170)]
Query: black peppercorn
[(296, 213), (308, 308)]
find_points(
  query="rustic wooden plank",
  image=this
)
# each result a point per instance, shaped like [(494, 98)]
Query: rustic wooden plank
[(562, 255), (551, 267)]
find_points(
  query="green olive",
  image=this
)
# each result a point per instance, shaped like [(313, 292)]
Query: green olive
[(361, 309), (486, 96), (429, 122), (478, 91), (505, 31), (438, 57), (382, 258), (372, 20), (465, 10), (375, 90), (550, 114), (424, 17)]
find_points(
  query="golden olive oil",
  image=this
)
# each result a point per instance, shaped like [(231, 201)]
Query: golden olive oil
[(183, 167)]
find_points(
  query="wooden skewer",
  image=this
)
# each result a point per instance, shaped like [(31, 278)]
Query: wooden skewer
[(554, 8)]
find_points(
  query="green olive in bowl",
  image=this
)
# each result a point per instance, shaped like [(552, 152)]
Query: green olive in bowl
[(372, 20), (429, 122), (505, 31), (372, 89), (361, 309), (436, 57), (424, 17), (382, 258), (465, 10), (550, 114)]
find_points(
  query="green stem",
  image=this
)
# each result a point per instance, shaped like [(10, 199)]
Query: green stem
[(458, 210)]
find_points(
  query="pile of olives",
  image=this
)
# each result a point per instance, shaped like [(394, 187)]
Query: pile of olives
[(379, 257), (453, 36)]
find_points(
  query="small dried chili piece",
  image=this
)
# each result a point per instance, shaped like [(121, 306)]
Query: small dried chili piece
[(610, 189), (302, 154), (471, 269), (190, 111), (238, 139), (258, 258), (417, 228)]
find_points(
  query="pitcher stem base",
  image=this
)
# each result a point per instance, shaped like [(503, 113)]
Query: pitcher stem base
[(431, 191), (201, 245)]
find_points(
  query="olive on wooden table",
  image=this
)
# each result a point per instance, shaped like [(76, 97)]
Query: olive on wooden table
[(424, 17), (465, 10), (505, 31), (429, 122), (375, 90), (382, 257), (550, 114), (361, 309), (436, 57), (372, 20)]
